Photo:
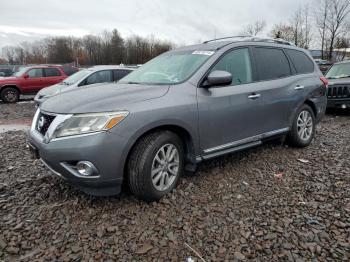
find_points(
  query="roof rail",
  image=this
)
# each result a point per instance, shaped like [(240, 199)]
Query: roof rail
[(228, 37), (241, 38)]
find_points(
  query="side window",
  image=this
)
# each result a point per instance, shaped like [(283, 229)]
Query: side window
[(35, 73), (271, 63), (99, 77), (52, 72), (119, 74), (301, 61), (237, 62)]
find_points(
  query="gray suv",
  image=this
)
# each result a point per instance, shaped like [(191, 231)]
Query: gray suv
[(185, 106)]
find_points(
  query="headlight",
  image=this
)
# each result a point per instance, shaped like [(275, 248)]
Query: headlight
[(89, 123)]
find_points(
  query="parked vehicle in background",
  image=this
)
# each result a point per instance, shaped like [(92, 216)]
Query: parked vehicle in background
[(29, 81), (84, 78), (187, 105), (324, 65), (69, 70), (5, 72), (339, 85)]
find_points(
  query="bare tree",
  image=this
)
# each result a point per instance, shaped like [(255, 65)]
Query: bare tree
[(336, 22), (321, 15), (255, 28), (297, 30), (283, 31)]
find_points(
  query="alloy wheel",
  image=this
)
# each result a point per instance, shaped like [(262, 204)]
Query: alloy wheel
[(305, 125), (165, 167)]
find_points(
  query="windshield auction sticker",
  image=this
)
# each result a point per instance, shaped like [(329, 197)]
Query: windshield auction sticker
[(201, 52)]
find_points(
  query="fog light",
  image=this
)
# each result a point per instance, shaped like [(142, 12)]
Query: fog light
[(85, 168)]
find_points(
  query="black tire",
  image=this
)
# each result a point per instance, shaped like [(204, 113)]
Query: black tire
[(141, 160), (9, 95), (293, 138)]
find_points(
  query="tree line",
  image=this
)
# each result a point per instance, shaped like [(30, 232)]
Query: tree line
[(324, 24), (107, 48)]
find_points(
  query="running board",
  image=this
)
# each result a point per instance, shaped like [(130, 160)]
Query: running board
[(231, 150)]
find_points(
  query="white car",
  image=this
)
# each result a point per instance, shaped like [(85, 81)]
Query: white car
[(84, 78)]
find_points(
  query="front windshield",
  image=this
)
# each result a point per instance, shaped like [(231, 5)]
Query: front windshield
[(21, 71), (76, 77), (169, 68), (339, 71)]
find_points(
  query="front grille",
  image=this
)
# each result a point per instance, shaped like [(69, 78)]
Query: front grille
[(338, 91), (43, 123)]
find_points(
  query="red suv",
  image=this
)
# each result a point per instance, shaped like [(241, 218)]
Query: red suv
[(28, 81)]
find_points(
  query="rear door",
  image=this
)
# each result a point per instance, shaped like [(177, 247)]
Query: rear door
[(52, 76), (277, 87), (231, 115)]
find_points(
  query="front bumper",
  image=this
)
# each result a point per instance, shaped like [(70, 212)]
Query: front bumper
[(339, 103), (103, 149)]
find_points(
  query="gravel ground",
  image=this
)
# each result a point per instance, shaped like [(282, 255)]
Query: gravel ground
[(23, 110), (270, 203)]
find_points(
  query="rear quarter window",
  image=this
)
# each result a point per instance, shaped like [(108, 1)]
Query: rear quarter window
[(301, 61), (271, 63)]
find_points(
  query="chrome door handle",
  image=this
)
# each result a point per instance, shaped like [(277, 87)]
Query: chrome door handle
[(255, 96), (299, 87)]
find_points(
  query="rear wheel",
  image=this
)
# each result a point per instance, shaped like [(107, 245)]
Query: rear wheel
[(9, 95), (155, 165), (303, 129)]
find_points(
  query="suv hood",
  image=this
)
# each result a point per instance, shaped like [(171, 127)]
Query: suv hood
[(95, 99), (342, 81)]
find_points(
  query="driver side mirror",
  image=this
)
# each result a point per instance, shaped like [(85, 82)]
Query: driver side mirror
[(218, 78), (26, 76)]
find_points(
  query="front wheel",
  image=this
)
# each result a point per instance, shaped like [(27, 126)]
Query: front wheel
[(9, 95), (303, 129), (155, 165)]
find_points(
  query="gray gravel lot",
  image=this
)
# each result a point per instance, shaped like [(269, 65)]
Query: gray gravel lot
[(270, 203)]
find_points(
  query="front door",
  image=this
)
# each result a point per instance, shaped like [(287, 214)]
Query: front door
[(34, 82), (231, 116)]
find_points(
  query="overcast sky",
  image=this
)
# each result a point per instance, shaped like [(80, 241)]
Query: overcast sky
[(181, 21)]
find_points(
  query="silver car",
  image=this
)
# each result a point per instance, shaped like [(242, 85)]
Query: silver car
[(185, 106), (83, 78)]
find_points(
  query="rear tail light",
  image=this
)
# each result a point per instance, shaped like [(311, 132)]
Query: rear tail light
[(324, 81)]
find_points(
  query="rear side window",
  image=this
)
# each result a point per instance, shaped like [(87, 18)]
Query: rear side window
[(271, 63), (99, 77), (236, 62), (52, 72), (119, 74), (35, 73), (301, 61)]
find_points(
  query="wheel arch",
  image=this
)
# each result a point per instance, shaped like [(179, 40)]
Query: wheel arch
[(311, 104), (183, 133), (10, 85), (308, 102)]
